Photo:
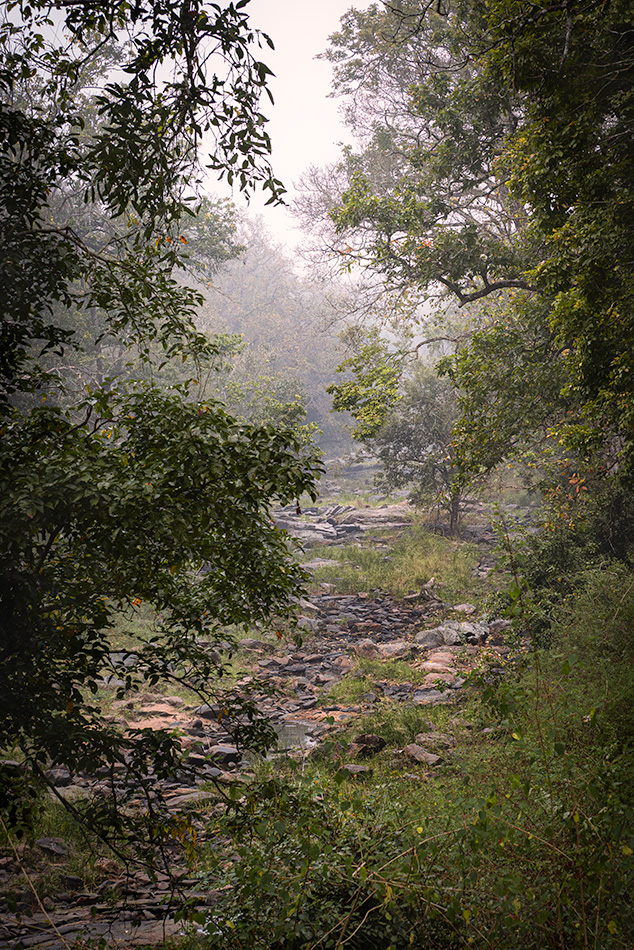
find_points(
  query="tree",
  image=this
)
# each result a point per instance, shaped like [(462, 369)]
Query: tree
[(415, 443), (288, 352), (116, 491), (497, 167), (373, 389), (404, 414), (421, 201)]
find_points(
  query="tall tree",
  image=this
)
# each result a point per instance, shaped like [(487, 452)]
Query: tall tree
[(497, 166), (116, 491)]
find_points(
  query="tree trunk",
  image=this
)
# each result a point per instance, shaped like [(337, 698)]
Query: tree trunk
[(454, 514)]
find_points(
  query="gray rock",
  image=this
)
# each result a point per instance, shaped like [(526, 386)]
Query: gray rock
[(224, 754), (417, 754), (308, 609), (56, 846), (308, 623), (60, 778), (422, 697), (250, 644), (430, 638), (453, 633), (318, 562)]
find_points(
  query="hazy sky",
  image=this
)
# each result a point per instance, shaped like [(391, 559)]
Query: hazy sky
[(304, 123)]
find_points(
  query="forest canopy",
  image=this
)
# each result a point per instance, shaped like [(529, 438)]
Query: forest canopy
[(494, 169)]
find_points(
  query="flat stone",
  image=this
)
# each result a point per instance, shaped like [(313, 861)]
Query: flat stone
[(417, 754), (308, 608), (422, 697), (397, 650), (56, 846), (367, 649), (432, 666), (318, 562), (187, 797), (431, 679), (343, 663), (250, 644)]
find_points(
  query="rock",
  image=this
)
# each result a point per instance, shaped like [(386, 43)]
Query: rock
[(56, 846), (224, 754), (367, 649), (318, 562), (429, 638), (422, 697), (250, 644), (453, 633), (435, 739), (417, 754), (343, 663), (174, 701), (497, 626), (436, 666), (60, 778), (308, 623), (474, 632), (466, 609), (308, 609), (366, 745), (72, 881), (432, 679), (322, 679), (207, 712), (398, 649)]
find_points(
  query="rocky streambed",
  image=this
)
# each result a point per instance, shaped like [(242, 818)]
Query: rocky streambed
[(293, 687), (441, 645)]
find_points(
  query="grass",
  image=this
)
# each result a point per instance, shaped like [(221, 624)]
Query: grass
[(353, 687), (414, 558), (524, 838)]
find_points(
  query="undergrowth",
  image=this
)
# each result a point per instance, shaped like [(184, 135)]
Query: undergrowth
[(522, 838), (416, 557)]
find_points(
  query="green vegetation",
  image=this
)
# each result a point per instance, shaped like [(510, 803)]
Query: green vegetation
[(121, 485), (494, 171), (404, 566), (524, 837)]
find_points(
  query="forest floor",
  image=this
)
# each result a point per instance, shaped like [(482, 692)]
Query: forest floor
[(365, 652)]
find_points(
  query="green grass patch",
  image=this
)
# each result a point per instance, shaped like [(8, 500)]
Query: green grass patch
[(411, 561), (523, 839)]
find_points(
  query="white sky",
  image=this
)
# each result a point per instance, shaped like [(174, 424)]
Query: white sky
[(304, 123)]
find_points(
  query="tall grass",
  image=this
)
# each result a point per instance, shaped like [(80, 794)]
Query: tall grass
[(415, 557)]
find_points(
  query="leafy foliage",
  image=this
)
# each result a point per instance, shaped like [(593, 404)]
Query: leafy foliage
[(414, 445), (116, 490), (373, 390), (494, 163)]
